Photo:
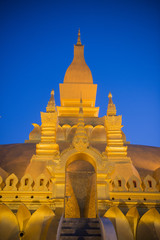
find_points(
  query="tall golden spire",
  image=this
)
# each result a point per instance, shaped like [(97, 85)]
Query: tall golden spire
[(78, 71), (51, 107), (78, 82), (79, 38), (80, 140), (111, 111)]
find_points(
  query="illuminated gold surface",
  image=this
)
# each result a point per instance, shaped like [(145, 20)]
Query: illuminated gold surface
[(80, 140), (111, 111), (80, 190), (79, 170), (133, 218), (149, 225), (78, 71), (120, 223), (8, 224), (38, 224), (47, 145), (42, 224), (23, 215), (78, 83)]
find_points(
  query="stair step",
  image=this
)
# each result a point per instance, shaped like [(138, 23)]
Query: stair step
[(80, 225), (80, 220), (94, 231), (80, 234), (80, 238), (67, 230), (80, 229), (71, 223)]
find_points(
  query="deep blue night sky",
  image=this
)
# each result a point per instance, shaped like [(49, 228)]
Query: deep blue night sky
[(122, 49)]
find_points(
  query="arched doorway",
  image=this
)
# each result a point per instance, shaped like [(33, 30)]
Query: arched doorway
[(80, 189)]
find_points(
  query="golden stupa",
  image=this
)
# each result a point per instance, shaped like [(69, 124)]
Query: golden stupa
[(77, 177)]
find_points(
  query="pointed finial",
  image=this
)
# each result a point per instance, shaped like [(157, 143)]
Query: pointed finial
[(52, 92), (51, 107), (111, 111), (110, 95), (79, 38), (110, 98)]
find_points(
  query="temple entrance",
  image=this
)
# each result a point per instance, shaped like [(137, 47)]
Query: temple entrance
[(80, 190)]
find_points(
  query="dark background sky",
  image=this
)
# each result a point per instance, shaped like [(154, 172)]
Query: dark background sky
[(122, 49)]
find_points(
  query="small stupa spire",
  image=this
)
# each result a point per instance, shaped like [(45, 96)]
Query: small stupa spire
[(79, 38), (51, 107), (111, 110), (80, 140), (110, 98)]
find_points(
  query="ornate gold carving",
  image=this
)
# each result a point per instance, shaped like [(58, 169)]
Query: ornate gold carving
[(49, 118), (113, 121), (80, 140), (80, 144)]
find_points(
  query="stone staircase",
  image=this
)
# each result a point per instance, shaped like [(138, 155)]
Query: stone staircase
[(80, 229)]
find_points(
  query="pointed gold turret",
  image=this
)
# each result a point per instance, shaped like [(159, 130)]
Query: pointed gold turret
[(78, 82), (111, 111), (51, 107), (78, 71), (79, 38), (48, 145), (80, 140), (115, 148)]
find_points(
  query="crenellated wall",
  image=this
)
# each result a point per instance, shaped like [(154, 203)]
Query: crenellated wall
[(43, 190), (31, 192), (43, 183)]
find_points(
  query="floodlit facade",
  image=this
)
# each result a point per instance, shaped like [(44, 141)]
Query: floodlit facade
[(77, 177)]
